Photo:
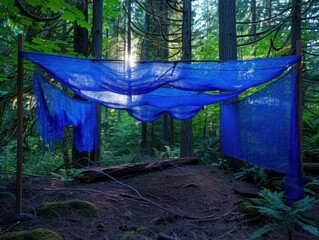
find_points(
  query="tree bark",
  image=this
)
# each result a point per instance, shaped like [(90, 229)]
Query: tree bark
[(228, 44), (227, 30), (295, 25), (80, 159), (164, 53), (253, 26), (187, 125)]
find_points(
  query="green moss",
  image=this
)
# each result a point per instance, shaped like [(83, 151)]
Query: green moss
[(54, 209), (248, 206), (36, 234)]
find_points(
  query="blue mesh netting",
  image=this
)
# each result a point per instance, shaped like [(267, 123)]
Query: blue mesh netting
[(55, 110), (143, 77), (260, 129)]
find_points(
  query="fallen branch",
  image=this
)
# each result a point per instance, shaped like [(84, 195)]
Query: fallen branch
[(94, 174), (311, 168)]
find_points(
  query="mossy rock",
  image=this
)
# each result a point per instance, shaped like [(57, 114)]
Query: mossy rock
[(36, 234), (54, 209)]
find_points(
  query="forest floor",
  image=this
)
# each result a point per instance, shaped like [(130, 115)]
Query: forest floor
[(189, 202)]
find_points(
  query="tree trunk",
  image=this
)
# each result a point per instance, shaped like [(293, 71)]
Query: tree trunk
[(227, 30), (145, 56), (295, 24), (80, 159), (227, 44), (187, 125), (253, 26), (165, 140), (129, 40), (164, 55), (171, 131)]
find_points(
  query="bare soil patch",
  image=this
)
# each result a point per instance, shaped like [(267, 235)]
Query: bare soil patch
[(189, 202)]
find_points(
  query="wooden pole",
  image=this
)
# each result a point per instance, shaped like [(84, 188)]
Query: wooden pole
[(19, 128), (97, 40), (299, 104)]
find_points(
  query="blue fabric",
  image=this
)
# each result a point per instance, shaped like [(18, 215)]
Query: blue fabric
[(261, 128), (144, 77), (55, 110)]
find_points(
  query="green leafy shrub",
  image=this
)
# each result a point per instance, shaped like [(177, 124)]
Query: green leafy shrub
[(283, 216), (260, 177)]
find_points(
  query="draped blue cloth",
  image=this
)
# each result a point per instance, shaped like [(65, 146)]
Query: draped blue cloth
[(56, 110), (261, 128)]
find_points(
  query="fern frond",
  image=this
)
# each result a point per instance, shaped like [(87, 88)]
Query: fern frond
[(304, 204), (272, 213), (309, 228), (262, 231)]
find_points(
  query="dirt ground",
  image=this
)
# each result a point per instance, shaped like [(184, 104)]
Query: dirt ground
[(189, 202)]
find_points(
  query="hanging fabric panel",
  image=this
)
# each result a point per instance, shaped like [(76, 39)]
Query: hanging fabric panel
[(56, 110), (262, 129)]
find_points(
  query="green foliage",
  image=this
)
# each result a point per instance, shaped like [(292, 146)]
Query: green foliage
[(208, 49), (122, 137), (312, 188), (254, 174), (311, 137), (260, 177), (47, 46), (283, 216), (167, 153)]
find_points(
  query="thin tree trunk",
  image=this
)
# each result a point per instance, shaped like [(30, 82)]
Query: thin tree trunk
[(164, 55), (253, 26), (80, 159), (97, 52), (145, 56), (171, 130)]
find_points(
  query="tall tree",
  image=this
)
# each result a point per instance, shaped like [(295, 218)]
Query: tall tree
[(145, 56), (164, 53), (295, 24), (80, 159), (187, 148), (227, 40), (227, 30)]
